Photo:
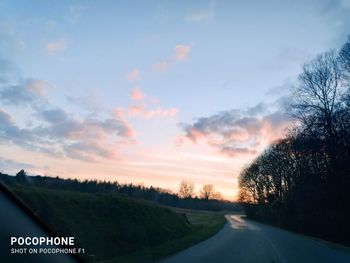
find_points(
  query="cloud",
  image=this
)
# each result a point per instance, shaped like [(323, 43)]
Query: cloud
[(63, 125), (88, 151), (135, 110), (90, 102), (24, 92), (119, 113), (56, 46), (9, 71), (202, 15), (10, 133), (61, 134), (51, 130), (55, 131), (240, 132), (161, 66), (182, 52), (139, 109), (137, 94), (133, 75)]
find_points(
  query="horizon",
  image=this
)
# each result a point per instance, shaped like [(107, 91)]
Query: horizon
[(154, 93)]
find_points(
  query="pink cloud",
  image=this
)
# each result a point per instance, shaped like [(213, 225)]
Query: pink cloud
[(135, 110), (180, 140), (137, 94), (133, 75), (161, 66), (256, 130), (141, 111), (66, 135), (195, 134), (119, 113), (240, 132), (181, 52)]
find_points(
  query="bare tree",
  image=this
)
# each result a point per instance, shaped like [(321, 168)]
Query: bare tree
[(318, 94), (208, 192), (344, 58), (217, 196), (307, 173), (186, 189)]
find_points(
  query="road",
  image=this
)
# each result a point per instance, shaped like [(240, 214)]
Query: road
[(243, 241)]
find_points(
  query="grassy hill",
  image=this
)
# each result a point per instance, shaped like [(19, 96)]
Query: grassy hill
[(118, 229)]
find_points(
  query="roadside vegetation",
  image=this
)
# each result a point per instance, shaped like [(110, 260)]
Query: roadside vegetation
[(115, 228), (112, 228), (205, 223), (207, 198), (302, 181)]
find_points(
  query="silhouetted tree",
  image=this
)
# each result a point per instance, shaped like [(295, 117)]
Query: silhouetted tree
[(303, 181), (344, 59), (208, 192), (186, 189), (21, 176)]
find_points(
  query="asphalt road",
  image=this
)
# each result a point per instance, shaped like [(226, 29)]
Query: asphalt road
[(242, 241)]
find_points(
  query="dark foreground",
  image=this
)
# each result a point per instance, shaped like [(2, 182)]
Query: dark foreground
[(244, 241), (110, 227)]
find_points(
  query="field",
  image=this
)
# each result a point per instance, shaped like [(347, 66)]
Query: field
[(113, 228)]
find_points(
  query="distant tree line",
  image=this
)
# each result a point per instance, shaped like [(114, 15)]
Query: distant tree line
[(207, 192), (155, 194), (303, 180)]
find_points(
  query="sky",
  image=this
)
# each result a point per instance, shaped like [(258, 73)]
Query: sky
[(153, 92)]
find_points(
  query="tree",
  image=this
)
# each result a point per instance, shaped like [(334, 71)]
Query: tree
[(217, 196), (319, 94), (21, 176), (208, 192), (344, 59), (186, 189), (318, 106), (306, 176)]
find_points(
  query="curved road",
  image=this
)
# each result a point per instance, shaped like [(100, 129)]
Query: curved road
[(243, 241)]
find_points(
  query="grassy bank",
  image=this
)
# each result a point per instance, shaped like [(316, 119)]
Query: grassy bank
[(204, 225), (119, 229)]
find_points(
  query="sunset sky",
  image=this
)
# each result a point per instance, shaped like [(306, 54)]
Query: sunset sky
[(153, 92)]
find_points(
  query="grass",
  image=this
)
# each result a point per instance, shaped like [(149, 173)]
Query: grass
[(205, 224), (119, 229)]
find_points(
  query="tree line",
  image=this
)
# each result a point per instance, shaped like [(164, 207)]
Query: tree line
[(302, 181), (208, 198), (207, 192)]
